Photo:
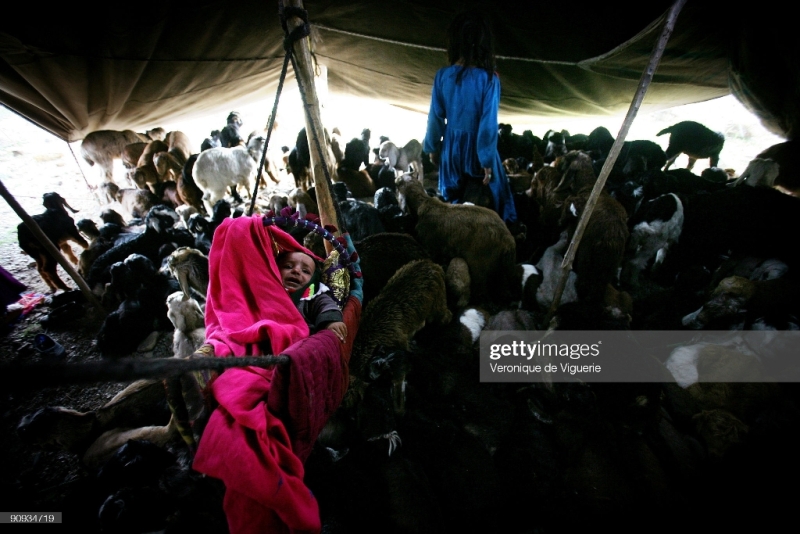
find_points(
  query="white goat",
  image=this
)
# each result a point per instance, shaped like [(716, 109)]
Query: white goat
[(217, 169)]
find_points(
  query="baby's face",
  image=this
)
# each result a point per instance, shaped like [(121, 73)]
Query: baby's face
[(296, 270)]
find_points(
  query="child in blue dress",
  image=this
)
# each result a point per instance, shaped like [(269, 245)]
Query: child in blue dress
[(462, 123)]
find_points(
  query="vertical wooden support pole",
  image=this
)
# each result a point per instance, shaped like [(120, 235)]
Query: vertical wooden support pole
[(51, 248), (644, 83), (314, 129)]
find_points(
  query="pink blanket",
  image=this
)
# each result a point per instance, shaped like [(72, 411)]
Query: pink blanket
[(246, 444)]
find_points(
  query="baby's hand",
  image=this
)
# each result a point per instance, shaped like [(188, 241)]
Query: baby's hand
[(340, 329)]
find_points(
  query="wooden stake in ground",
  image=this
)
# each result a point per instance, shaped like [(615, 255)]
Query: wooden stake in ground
[(644, 83), (51, 248)]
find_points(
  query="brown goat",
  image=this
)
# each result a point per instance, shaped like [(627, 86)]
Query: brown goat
[(602, 246), (477, 235), (146, 176), (104, 146), (358, 182), (59, 228), (180, 146)]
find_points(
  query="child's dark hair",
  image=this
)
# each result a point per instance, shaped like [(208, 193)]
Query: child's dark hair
[(470, 39)]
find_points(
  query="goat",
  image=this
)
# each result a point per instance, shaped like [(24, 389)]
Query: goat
[(759, 172), (55, 427), (218, 169), (136, 203), (145, 175), (189, 322), (212, 141), (157, 224), (477, 235), (739, 303), (231, 136), (602, 246), (190, 267), (381, 255), (403, 158), (360, 218), (298, 197), (255, 145), (695, 140), (654, 228), (59, 228), (102, 147), (142, 311), (179, 146)]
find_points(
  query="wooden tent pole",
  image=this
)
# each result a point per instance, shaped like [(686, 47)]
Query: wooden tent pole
[(644, 83), (314, 129), (51, 248)]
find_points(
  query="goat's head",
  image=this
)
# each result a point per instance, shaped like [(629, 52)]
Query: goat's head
[(54, 201)]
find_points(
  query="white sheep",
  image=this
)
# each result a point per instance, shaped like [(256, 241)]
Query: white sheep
[(217, 169)]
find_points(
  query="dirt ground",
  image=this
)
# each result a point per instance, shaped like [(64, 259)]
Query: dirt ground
[(32, 163)]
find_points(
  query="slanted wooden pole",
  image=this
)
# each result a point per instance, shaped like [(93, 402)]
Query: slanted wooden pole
[(644, 83), (304, 73), (51, 248)]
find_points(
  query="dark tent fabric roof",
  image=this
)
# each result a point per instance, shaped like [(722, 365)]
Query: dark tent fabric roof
[(73, 70)]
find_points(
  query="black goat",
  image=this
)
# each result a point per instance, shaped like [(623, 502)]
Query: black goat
[(158, 222), (694, 140), (59, 228)]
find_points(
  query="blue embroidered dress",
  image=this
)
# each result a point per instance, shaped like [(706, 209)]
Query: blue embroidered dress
[(462, 128)]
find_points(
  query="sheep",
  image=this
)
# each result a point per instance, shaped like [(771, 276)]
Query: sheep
[(218, 169), (381, 255), (785, 155), (740, 221), (477, 235), (695, 140), (130, 158), (388, 206), (60, 229), (102, 147), (358, 182), (413, 296), (457, 282)]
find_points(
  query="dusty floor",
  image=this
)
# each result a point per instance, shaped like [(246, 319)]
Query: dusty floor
[(32, 479)]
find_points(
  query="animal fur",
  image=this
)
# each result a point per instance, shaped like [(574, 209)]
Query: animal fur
[(477, 235)]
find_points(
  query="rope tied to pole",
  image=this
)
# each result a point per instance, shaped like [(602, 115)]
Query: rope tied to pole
[(298, 33)]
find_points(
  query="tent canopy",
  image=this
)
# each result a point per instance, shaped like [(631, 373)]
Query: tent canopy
[(73, 70)]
